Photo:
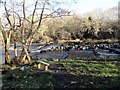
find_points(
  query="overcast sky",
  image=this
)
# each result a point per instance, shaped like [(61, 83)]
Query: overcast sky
[(83, 6)]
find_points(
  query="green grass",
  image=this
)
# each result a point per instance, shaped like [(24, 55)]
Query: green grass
[(100, 74), (96, 69), (26, 79)]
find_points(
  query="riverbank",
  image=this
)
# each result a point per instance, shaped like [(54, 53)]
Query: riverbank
[(65, 74), (91, 41)]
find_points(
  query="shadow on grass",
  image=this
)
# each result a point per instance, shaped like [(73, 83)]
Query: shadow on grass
[(29, 79), (82, 81)]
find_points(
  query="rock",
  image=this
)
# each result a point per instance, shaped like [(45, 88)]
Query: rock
[(65, 56), (50, 59), (23, 68), (91, 83), (73, 82)]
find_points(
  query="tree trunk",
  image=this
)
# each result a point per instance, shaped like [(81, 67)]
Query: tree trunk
[(30, 43), (7, 56), (27, 54), (24, 55), (15, 51), (15, 46)]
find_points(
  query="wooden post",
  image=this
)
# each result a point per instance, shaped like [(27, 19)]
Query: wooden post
[(39, 65), (46, 68), (35, 65)]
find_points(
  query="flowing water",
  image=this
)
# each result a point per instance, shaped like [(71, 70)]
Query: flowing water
[(53, 51)]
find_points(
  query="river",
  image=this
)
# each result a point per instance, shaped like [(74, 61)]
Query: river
[(45, 51)]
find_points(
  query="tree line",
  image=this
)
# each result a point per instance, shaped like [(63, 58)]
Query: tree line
[(75, 27)]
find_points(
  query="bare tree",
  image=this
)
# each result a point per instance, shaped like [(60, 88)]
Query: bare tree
[(27, 28), (12, 30)]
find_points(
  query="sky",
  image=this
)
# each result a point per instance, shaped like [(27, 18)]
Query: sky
[(83, 6)]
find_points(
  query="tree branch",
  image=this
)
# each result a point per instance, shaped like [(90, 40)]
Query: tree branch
[(7, 14)]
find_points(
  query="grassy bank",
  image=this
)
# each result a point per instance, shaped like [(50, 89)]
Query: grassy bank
[(91, 41), (64, 74), (95, 68)]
